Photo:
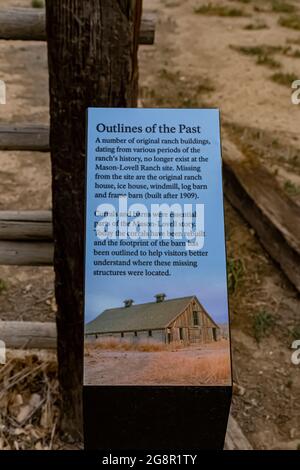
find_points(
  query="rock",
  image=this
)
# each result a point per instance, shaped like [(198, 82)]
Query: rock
[(35, 400), (23, 414), (46, 417), (238, 389), (19, 431), (18, 401), (16, 445), (28, 288), (27, 410)]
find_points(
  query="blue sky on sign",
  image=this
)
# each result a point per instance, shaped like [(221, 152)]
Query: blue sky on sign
[(208, 280)]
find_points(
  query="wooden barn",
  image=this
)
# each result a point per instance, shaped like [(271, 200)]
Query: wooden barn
[(182, 320)]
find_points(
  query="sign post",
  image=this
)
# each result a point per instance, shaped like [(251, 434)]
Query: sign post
[(157, 370)]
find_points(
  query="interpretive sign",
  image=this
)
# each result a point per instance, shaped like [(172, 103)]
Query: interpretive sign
[(157, 352)]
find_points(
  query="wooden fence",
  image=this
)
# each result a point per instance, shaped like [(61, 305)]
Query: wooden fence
[(29, 24)]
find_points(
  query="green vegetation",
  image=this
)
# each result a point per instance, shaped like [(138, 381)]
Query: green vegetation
[(263, 145), (289, 51), (284, 78), (280, 6), (291, 188), (290, 21), (235, 272), (173, 89), (175, 78), (293, 41), (289, 383), (263, 54), (296, 332), (295, 54), (268, 62), (260, 9), (123, 345), (256, 26), (218, 10), (2, 286), (259, 50), (263, 322), (37, 3)]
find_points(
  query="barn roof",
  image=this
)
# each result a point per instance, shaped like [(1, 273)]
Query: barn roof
[(148, 316)]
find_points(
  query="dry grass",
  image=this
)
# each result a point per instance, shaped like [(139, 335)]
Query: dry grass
[(113, 344), (264, 54), (30, 403), (260, 144), (29, 400), (173, 89), (208, 370), (207, 364)]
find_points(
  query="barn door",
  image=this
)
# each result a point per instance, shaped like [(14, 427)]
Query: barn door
[(214, 334), (168, 336)]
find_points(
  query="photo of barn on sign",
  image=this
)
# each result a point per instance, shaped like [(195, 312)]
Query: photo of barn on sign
[(165, 341), (156, 310), (180, 321)]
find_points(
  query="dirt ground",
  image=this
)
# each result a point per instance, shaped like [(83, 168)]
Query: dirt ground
[(206, 365), (193, 64)]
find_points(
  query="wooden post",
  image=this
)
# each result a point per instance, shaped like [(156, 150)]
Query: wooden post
[(92, 56)]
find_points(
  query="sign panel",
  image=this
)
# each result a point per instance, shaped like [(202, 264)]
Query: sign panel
[(156, 310)]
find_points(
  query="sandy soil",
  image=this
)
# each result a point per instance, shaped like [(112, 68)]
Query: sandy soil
[(190, 366), (200, 47), (191, 64)]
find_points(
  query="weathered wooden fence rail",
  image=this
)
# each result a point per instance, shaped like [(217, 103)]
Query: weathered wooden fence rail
[(34, 137), (235, 438), (16, 253), (28, 24), (26, 225), (26, 238), (254, 192), (28, 335)]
